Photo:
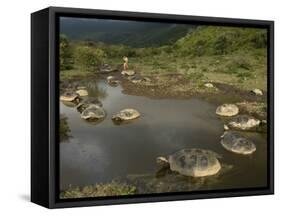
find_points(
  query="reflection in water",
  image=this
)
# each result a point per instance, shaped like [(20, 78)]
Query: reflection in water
[(96, 90), (105, 151), (64, 128)]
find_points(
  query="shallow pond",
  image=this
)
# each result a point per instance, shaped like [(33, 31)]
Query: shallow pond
[(99, 153)]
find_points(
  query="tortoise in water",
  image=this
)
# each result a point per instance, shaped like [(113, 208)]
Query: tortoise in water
[(82, 92), (69, 96), (235, 142), (81, 88), (126, 114), (244, 122), (112, 80), (93, 113), (84, 104), (227, 110), (192, 162)]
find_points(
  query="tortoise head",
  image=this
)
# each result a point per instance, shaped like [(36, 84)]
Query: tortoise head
[(163, 168), (116, 118), (162, 161), (81, 107), (222, 136)]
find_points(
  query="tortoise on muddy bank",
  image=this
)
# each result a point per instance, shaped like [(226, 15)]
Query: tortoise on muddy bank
[(257, 92), (128, 72), (136, 78), (192, 162), (106, 68), (85, 103), (209, 85), (235, 142), (93, 113), (227, 110), (244, 122), (126, 114)]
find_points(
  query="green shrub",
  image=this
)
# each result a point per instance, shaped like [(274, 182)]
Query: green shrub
[(220, 45), (89, 58)]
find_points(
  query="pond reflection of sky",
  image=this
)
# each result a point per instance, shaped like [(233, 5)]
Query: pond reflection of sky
[(102, 152)]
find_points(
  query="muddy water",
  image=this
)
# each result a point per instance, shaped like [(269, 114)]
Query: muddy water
[(98, 153)]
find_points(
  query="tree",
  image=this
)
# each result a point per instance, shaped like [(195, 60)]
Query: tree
[(65, 53)]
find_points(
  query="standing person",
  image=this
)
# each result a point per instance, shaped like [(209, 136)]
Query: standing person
[(125, 65)]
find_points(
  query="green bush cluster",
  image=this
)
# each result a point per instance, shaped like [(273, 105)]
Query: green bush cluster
[(89, 58)]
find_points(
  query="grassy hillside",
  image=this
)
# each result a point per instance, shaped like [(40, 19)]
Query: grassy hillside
[(229, 55), (213, 40)]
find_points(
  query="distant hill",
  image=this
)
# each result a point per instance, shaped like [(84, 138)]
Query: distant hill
[(131, 33), (214, 40)]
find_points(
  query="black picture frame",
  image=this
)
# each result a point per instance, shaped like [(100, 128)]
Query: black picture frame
[(45, 106)]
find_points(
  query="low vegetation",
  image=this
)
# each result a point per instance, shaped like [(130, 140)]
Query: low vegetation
[(99, 190)]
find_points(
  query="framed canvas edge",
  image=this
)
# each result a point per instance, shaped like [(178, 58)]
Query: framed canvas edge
[(53, 81)]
